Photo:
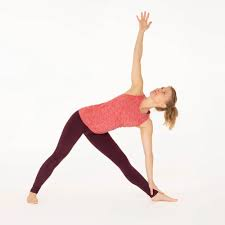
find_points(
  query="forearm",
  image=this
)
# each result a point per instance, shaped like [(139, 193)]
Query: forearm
[(149, 166), (138, 48)]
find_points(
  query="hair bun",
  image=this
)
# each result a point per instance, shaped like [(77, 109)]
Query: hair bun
[(171, 107)]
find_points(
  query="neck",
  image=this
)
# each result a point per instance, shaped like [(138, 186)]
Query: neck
[(147, 104)]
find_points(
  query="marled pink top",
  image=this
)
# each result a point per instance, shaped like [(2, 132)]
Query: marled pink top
[(121, 111)]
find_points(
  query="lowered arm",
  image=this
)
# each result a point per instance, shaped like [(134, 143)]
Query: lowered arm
[(146, 137)]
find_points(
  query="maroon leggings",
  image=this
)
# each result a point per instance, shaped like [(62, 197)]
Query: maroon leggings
[(72, 131)]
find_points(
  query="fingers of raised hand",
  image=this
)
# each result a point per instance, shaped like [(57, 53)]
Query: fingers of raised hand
[(138, 18), (144, 16), (149, 23)]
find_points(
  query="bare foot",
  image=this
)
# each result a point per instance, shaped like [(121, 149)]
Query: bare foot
[(162, 197), (32, 198)]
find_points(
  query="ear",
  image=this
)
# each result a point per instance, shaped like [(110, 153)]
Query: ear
[(163, 105)]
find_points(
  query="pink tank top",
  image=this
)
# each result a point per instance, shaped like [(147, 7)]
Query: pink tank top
[(121, 111)]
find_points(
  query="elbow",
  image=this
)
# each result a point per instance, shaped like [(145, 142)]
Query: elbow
[(137, 57)]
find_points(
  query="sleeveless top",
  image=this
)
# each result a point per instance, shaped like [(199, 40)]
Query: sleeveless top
[(121, 111)]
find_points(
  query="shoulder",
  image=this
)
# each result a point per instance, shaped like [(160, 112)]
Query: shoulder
[(134, 91), (147, 124)]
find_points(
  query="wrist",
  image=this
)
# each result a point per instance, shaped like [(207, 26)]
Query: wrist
[(150, 181), (141, 30)]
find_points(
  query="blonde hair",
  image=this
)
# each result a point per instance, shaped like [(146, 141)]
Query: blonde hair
[(171, 111)]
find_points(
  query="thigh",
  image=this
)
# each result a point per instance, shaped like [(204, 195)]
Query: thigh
[(106, 145), (72, 131)]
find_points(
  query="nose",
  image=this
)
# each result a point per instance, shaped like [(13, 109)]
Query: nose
[(157, 90)]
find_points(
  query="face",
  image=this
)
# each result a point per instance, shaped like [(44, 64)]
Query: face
[(161, 95)]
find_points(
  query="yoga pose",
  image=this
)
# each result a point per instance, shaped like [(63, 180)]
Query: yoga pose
[(129, 109)]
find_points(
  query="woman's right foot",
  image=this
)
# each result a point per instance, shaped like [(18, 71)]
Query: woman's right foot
[(32, 198), (162, 197)]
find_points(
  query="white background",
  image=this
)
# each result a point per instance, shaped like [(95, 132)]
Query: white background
[(57, 56)]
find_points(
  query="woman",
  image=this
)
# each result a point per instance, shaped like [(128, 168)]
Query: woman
[(129, 109)]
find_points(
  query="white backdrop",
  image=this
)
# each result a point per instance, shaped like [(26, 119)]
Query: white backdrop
[(57, 56)]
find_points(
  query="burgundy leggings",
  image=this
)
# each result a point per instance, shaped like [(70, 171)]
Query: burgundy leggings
[(72, 131)]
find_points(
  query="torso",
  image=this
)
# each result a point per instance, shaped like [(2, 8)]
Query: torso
[(135, 93)]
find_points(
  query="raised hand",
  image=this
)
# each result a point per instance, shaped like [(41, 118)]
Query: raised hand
[(143, 22)]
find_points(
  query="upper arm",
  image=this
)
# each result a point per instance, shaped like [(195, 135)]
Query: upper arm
[(136, 76), (146, 137)]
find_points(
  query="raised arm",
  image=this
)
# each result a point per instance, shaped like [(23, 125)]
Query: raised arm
[(136, 76)]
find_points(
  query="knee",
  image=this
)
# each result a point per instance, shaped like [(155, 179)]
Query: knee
[(55, 159)]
